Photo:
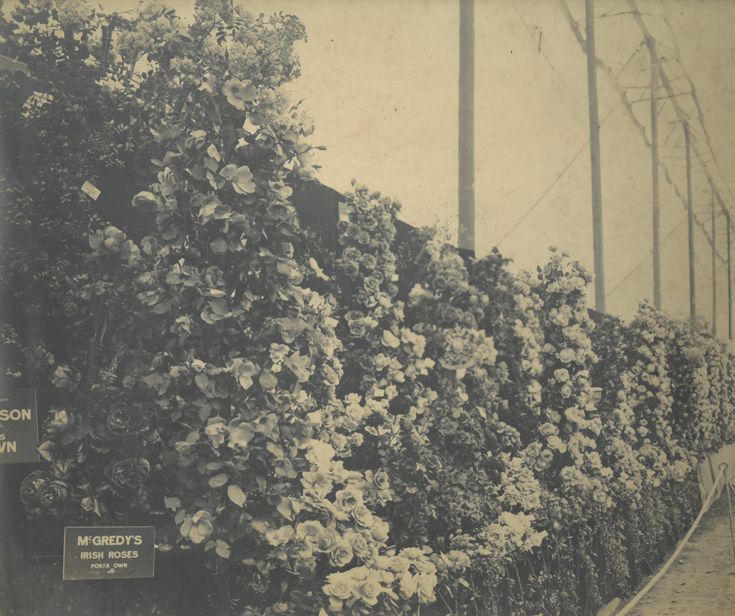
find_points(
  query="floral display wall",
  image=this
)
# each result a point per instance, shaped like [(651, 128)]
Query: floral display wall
[(379, 430)]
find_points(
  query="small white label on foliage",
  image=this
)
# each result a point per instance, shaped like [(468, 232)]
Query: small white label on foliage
[(91, 190)]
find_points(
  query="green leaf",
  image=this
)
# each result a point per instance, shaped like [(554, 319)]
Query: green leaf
[(275, 450), (222, 548), (213, 152), (217, 481), (202, 381), (219, 306), (211, 165), (172, 502), (236, 494), (267, 380), (284, 507), (259, 526), (244, 371), (287, 269), (197, 171), (218, 246)]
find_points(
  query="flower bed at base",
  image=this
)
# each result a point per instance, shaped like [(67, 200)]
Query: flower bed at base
[(363, 432)]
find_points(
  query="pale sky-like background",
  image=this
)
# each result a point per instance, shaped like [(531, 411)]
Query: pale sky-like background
[(380, 80)]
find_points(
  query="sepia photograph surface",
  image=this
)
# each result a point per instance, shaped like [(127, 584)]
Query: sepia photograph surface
[(354, 307)]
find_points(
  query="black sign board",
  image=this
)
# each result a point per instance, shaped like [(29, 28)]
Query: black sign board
[(18, 426), (108, 552)]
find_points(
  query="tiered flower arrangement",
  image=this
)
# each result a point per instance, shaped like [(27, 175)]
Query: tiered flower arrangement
[(728, 398), (619, 440), (717, 371), (382, 393), (384, 359), (647, 386), (570, 429), (568, 461), (511, 317), (696, 374), (479, 494)]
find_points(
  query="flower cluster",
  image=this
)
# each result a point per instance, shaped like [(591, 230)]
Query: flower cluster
[(496, 544), (385, 354), (647, 391), (571, 429), (42, 491), (392, 579)]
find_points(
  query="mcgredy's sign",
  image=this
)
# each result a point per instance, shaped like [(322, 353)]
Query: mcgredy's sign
[(108, 552), (18, 426)]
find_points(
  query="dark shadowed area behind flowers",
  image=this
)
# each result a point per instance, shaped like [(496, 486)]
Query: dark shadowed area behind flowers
[(31, 574)]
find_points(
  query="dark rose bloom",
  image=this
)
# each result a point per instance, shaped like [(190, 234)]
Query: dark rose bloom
[(454, 286), (124, 419), (371, 284), (445, 313), (40, 490), (369, 261), (379, 277), (455, 315), (342, 226), (440, 282), (352, 270), (381, 480), (368, 381), (367, 300), (363, 237), (366, 362), (58, 421), (100, 436), (354, 232), (470, 321), (353, 315), (357, 328), (128, 475), (351, 253), (369, 223)]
